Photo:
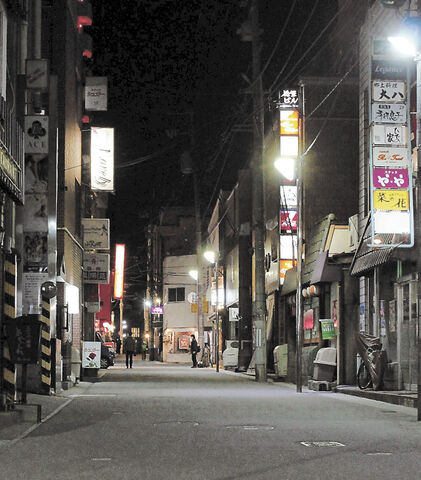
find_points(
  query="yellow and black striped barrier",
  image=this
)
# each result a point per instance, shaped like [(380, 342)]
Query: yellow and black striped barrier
[(45, 346), (9, 372)]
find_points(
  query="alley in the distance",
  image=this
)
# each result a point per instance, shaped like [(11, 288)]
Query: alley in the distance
[(168, 422)]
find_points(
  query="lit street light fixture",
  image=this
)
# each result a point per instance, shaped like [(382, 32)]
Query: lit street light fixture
[(408, 43), (211, 257)]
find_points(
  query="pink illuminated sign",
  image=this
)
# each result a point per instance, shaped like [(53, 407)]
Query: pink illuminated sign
[(390, 178), (157, 310)]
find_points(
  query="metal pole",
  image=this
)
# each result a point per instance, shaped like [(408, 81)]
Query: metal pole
[(259, 304), (418, 230), (300, 226), (217, 314)]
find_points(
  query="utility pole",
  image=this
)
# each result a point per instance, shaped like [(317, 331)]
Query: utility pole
[(198, 224), (418, 229), (259, 304), (300, 229)]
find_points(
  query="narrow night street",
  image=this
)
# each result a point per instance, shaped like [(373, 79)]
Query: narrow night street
[(169, 422)]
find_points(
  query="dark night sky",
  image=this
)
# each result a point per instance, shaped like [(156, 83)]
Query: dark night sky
[(164, 58)]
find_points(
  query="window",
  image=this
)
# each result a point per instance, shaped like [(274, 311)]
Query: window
[(176, 294)]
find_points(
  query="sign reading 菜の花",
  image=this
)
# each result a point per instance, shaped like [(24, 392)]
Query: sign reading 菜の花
[(391, 199)]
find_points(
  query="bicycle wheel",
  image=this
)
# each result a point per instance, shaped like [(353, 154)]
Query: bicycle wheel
[(363, 377)]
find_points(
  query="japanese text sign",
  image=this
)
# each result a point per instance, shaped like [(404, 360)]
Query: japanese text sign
[(390, 178), (391, 199)]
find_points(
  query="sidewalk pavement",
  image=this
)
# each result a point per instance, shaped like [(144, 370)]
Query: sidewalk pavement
[(23, 419), (403, 398)]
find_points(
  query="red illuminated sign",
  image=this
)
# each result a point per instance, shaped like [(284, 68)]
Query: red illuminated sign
[(119, 270)]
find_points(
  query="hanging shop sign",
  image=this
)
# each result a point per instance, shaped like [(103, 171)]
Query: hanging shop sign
[(37, 74), (288, 196), (390, 166), (102, 159), (96, 94), (36, 134), (96, 267), (96, 233)]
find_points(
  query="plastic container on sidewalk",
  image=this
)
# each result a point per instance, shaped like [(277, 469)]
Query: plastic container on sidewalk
[(325, 365)]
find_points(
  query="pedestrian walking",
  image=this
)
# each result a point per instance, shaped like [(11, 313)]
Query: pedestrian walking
[(130, 349), (206, 355), (144, 347), (194, 349)]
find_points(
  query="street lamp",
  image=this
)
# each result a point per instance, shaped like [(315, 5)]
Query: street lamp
[(211, 257), (408, 44)]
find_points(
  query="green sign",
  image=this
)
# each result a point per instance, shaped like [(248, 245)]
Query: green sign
[(328, 329)]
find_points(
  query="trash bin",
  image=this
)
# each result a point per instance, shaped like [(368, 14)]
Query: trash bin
[(325, 365)]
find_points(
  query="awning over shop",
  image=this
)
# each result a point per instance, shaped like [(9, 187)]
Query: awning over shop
[(323, 272), (290, 282), (368, 257)]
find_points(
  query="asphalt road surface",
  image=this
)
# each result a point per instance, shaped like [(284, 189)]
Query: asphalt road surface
[(171, 422)]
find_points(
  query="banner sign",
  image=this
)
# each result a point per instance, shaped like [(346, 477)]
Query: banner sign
[(102, 159), (392, 213), (96, 233)]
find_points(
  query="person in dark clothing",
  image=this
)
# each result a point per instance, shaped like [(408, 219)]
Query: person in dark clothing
[(130, 349), (193, 350)]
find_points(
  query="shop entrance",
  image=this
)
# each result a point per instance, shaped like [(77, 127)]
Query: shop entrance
[(407, 334)]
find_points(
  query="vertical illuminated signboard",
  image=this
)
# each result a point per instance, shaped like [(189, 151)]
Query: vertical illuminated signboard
[(102, 159), (119, 270), (289, 149), (392, 223)]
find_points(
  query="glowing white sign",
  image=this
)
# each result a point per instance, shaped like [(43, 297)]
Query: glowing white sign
[(102, 159)]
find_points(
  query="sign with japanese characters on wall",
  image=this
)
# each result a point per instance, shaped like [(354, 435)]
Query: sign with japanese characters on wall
[(289, 151), (96, 267), (96, 233), (390, 153)]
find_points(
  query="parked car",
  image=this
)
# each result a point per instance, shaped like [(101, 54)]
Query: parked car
[(107, 356)]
